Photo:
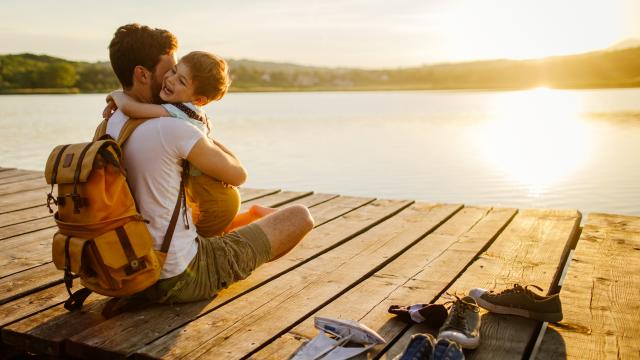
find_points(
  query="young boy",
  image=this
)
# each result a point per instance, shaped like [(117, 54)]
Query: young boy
[(197, 79)]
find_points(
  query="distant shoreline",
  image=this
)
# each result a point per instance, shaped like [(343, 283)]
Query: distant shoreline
[(75, 91)]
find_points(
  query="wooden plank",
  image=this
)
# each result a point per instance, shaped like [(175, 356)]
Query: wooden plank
[(20, 216), (240, 326), (600, 297), (24, 185), (17, 172), (417, 276), (25, 251), (22, 200), (18, 178), (48, 329), (26, 227), (529, 251), (24, 282), (314, 199), (22, 308), (247, 194), (276, 199)]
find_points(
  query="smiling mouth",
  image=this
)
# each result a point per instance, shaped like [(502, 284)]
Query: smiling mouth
[(166, 90)]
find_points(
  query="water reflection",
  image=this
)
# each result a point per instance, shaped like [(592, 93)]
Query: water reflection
[(536, 137)]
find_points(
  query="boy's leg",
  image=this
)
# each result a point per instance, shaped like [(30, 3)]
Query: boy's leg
[(285, 228)]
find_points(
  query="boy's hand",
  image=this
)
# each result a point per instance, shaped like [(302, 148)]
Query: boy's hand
[(109, 109)]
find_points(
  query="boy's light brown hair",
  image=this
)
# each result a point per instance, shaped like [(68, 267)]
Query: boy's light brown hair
[(209, 74), (135, 44)]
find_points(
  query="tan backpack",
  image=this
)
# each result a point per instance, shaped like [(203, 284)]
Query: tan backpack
[(101, 235)]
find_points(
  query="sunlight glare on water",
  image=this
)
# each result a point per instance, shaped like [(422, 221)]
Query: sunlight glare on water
[(541, 148), (536, 137)]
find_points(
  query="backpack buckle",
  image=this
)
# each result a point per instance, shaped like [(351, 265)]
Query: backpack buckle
[(134, 266), (78, 202)]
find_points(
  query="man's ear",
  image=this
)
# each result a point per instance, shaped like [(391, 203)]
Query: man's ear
[(141, 75), (200, 101)]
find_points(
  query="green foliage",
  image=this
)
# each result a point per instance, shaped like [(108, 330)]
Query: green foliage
[(619, 68), (29, 71), (58, 75)]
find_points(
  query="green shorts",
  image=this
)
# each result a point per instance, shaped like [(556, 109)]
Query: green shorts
[(220, 261)]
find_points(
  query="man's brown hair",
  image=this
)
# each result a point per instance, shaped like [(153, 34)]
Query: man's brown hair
[(135, 44), (209, 74)]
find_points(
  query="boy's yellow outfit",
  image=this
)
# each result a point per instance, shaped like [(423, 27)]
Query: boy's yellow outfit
[(213, 203)]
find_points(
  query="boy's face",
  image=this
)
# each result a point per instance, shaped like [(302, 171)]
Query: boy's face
[(177, 86), (157, 77)]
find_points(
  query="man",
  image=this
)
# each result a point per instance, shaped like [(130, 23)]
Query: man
[(196, 268)]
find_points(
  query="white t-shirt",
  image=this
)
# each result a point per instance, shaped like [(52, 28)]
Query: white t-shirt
[(152, 158)]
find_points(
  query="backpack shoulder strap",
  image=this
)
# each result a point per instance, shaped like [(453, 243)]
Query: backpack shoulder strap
[(101, 130), (127, 129)]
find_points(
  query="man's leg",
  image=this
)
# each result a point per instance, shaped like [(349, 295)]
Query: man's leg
[(285, 228)]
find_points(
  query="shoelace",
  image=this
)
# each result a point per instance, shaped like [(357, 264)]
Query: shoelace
[(517, 288), (458, 307)]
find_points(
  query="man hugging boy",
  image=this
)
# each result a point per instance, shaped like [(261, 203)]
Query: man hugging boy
[(198, 79)]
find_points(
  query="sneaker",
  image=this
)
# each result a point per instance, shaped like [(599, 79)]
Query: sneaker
[(463, 323), (520, 301), (420, 347), (446, 349)]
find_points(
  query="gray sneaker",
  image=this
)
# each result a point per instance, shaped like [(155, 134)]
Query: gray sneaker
[(463, 323), (520, 301)]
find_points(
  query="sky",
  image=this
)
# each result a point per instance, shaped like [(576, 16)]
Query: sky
[(335, 33)]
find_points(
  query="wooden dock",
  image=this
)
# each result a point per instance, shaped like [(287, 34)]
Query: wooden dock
[(364, 255)]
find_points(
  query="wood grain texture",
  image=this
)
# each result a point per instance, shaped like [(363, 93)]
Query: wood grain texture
[(10, 173), (154, 321), (600, 296), (19, 284), (247, 194), (529, 251), (25, 251), (18, 178), (20, 216), (24, 185), (239, 327), (276, 199), (314, 199), (417, 276), (26, 227), (23, 200)]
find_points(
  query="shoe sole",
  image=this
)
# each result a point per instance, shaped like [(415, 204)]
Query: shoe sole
[(463, 341), (507, 310)]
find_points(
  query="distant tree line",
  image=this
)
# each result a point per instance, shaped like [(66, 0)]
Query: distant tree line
[(619, 68), (26, 71)]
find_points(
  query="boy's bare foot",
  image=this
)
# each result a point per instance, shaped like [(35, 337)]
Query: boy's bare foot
[(260, 211)]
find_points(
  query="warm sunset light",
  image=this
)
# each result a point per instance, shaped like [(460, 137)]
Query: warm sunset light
[(536, 137), (531, 29), (320, 179), (369, 34)]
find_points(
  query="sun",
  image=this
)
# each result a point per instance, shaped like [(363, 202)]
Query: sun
[(536, 137)]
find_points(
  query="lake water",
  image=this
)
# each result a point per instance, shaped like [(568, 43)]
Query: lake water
[(535, 148)]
